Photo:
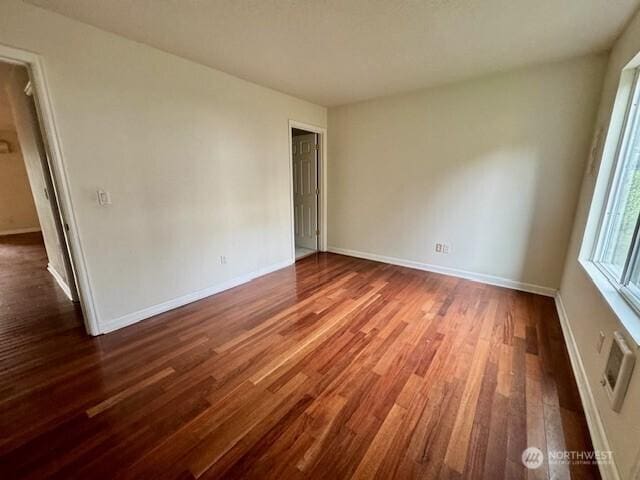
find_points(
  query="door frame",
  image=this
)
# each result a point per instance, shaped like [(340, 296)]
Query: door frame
[(322, 184), (59, 178)]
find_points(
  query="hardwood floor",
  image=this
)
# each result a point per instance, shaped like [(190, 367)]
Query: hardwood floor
[(334, 368)]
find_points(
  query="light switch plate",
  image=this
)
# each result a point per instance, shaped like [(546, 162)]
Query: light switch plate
[(104, 198)]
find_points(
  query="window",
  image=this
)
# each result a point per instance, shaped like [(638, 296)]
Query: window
[(619, 243)]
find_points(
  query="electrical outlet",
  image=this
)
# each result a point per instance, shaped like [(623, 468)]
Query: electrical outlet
[(223, 259), (442, 248), (600, 342)]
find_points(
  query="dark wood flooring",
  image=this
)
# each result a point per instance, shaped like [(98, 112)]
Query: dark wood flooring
[(333, 368)]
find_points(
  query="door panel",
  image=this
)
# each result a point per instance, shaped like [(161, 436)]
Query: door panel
[(35, 156), (305, 187)]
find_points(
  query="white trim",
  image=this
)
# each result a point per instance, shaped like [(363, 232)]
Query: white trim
[(618, 304), (17, 231), (622, 140), (454, 272), (594, 421), (63, 285), (60, 179), (131, 318), (322, 184)]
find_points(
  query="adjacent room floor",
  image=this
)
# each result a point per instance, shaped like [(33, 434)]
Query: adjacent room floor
[(36, 317), (332, 368), (302, 252)]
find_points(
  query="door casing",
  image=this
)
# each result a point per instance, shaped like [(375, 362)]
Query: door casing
[(322, 182), (59, 178)]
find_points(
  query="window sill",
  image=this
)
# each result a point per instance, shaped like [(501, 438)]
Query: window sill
[(618, 304)]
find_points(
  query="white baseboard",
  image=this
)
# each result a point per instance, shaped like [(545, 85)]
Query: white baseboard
[(63, 285), (476, 277), (17, 231), (134, 317), (594, 421)]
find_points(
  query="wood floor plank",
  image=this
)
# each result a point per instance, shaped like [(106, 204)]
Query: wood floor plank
[(215, 445), (335, 367), (460, 437), (109, 402)]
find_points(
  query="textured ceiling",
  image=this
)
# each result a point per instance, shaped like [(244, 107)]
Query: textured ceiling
[(333, 52)]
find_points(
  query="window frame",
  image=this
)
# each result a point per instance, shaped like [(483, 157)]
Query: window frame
[(621, 281)]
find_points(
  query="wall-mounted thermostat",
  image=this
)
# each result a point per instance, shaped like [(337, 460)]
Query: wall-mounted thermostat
[(617, 372)]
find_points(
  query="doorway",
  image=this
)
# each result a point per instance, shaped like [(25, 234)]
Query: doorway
[(34, 250), (306, 192), (308, 177)]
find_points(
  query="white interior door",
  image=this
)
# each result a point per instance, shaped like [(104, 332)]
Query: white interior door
[(305, 190), (29, 132)]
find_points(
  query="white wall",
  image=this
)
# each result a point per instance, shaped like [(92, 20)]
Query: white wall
[(17, 211), (587, 311), (197, 161), (6, 118), (492, 166)]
